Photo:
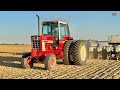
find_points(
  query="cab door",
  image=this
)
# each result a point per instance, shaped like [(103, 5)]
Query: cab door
[(64, 34)]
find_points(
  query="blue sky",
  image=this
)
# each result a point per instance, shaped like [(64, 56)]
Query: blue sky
[(18, 26)]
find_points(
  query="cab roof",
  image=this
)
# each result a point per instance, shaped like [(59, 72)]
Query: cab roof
[(55, 22)]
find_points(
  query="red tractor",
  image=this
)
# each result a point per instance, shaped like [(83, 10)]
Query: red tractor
[(54, 43)]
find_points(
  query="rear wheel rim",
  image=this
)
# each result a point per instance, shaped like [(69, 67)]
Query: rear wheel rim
[(83, 53)]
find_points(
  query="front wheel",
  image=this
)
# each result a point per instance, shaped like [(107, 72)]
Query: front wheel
[(27, 62), (50, 62)]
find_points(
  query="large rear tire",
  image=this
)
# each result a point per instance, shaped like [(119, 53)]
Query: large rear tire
[(66, 47), (50, 62), (80, 52)]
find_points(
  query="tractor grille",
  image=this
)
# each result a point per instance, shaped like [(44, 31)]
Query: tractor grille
[(36, 42)]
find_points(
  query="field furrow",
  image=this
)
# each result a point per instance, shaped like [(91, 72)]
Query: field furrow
[(10, 67)]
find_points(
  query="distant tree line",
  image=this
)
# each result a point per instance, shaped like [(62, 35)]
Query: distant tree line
[(13, 44)]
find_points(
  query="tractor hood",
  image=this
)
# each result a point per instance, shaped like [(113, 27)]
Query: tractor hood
[(46, 37), (42, 37)]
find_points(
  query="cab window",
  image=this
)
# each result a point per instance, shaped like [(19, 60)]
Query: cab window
[(63, 30)]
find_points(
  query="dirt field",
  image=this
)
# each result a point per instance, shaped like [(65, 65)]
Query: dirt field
[(10, 67)]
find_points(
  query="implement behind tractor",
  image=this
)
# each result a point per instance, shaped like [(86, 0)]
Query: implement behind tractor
[(109, 50), (54, 43)]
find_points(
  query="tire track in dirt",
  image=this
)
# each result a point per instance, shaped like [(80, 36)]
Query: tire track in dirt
[(68, 71), (110, 71), (89, 71), (99, 73), (92, 70), (74, 73)]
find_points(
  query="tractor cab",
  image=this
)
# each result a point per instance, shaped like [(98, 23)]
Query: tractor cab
[(59, 30)]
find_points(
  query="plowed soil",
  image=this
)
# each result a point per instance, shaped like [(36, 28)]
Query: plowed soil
[(10, 67)]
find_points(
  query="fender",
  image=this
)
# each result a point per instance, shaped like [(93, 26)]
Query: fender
[(26, 54)]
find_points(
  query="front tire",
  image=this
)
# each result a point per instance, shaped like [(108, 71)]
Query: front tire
[(50, 62), (26, 62)]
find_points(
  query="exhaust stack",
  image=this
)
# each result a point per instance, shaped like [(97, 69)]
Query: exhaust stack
[(38, 25)]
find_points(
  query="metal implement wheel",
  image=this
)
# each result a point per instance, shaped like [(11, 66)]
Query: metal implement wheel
[(95, 54), (104, 54)]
